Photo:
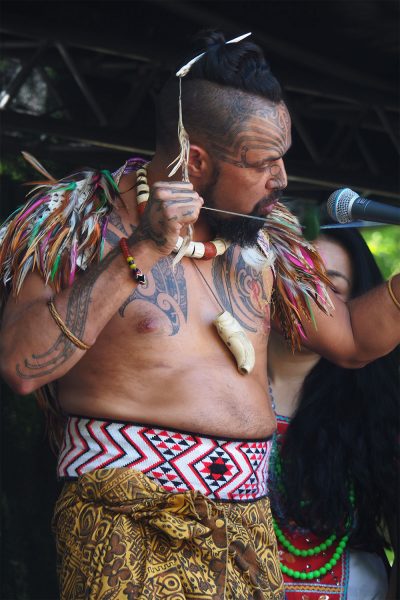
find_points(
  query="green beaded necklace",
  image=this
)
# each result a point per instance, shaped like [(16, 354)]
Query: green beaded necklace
[(310, 552), (330, 564)]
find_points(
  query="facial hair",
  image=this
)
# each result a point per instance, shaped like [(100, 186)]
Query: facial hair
[(237, 230)]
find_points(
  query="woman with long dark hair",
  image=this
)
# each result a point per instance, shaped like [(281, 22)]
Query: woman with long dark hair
[(334, 469)]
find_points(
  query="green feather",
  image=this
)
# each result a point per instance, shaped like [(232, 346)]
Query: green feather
[(310, 311), (110, 180), (55, 267), (34, 232), (71, 186)]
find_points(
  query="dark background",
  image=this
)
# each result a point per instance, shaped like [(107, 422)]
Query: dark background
[(81, 78), (88, 73)]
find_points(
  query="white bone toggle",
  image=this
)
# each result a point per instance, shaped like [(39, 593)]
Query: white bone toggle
[(235, 338)]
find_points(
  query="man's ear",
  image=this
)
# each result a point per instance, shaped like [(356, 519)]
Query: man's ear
[(200, 166)]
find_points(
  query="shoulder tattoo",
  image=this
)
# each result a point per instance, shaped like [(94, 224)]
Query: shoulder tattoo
[(240, 288)]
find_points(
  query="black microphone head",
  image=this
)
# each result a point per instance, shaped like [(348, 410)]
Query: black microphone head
[(339, 205)]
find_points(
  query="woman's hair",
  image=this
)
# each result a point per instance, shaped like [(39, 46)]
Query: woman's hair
[(220, 92), (345, 433)]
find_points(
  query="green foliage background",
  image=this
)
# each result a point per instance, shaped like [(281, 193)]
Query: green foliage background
[(384, 243)]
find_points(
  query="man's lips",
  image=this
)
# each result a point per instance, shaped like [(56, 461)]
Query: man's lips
[(267, 206)]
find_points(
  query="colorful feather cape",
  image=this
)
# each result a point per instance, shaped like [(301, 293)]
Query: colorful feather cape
[(57, 232), (299, 274)]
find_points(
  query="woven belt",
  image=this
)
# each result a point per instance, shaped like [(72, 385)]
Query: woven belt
[(179, 461)]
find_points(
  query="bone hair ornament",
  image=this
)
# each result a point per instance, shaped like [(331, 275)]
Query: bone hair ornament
[(186, 68), (183, 157)]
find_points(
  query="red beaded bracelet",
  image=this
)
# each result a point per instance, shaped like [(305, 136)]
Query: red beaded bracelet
[(137, 273)]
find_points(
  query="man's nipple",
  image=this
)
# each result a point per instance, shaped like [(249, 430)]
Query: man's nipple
[(148, 325)]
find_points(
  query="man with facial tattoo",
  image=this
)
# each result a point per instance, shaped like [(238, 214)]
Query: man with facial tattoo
[(164, 427)]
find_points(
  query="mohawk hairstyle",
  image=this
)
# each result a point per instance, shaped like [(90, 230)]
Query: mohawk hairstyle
[(222, 89)]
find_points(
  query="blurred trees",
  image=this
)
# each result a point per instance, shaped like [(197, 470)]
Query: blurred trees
[(384, 243)]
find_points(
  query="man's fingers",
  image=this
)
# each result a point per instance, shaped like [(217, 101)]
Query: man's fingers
[(164, 195), (168, 193), (183, 214), (173, 186), (184, 200), (170, 182), (173, 206)]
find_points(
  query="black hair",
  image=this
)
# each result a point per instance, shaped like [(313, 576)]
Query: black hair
[(345, 433), (221, 89)]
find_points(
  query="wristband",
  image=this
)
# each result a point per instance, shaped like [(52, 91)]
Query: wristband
[(138, 276), (66, 331), (391, 292)]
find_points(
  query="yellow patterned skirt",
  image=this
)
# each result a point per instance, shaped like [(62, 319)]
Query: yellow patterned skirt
[(120, 536)]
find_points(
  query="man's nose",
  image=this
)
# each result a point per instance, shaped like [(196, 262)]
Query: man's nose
[(278, 177), (284, 174)]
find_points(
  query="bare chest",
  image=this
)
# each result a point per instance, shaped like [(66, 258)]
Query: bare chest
[(180, 303), (193, 293)]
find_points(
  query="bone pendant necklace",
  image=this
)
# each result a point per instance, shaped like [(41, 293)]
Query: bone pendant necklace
[(232, 333)]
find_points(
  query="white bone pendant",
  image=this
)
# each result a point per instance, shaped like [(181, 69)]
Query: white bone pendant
[(235, 338)]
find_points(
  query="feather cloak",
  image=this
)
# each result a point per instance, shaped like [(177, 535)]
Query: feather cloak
[(299, 274)]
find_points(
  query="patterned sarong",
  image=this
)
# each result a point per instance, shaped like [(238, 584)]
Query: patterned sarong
[(121, 536)]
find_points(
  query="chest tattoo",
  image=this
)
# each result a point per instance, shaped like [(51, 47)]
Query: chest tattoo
[(240, 289), (166, 290)]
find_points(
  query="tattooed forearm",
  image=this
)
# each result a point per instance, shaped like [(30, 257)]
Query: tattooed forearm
[(147, 230), (112, 238), (61, 350), (45, 363), (116, 220)]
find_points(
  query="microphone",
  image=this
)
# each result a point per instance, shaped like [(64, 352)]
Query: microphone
[(345, 206)]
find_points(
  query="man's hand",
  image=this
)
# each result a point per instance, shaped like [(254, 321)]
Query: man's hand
[(171, 208)]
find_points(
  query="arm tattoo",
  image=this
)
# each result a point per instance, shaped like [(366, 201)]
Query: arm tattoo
[(147, 230), (116, 220), (166, 290), (45, 363), (39, 365), (112, 238), (240, 289)]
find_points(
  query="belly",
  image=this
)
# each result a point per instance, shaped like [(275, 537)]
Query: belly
[(162, 362), (206, 396)]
